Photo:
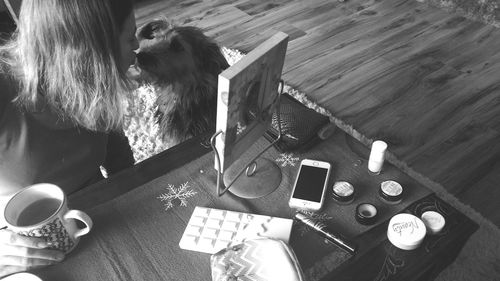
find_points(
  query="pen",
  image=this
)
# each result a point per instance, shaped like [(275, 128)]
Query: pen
[(323, 230)]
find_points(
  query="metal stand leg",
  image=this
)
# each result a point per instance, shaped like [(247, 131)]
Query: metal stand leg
[(262, 175)]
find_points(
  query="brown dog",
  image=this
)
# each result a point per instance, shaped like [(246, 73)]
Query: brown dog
[(183, 64)]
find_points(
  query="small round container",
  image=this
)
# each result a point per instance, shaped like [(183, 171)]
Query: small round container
[(434, 222), (391, 191), (343, 192), (406, 231), (366, 213)]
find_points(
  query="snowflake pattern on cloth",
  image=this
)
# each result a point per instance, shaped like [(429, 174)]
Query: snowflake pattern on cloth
[(181, 193), (319, 217), (287, 159), (240, 128)]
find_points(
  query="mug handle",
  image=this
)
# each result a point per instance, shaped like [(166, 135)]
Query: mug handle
[(81, 216)]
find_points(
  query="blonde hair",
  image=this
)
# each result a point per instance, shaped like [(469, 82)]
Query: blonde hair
[(65, 56)]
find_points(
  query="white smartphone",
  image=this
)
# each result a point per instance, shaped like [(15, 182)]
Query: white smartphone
[(310, 185)]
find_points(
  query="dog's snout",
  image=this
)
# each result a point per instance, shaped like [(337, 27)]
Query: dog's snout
[(143, 58)]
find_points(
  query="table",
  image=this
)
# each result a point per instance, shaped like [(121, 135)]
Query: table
[(135, 238)]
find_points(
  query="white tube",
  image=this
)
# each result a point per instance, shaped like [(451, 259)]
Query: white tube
[(377, 156)]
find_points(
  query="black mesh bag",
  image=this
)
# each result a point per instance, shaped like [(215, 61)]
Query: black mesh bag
[(299, 125)]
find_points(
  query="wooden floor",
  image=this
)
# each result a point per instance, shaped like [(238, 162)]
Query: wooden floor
[(426, 81)]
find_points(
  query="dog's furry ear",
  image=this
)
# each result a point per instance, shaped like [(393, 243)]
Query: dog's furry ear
[(214, 60), (153, 29), (207, 51), (176, 45)]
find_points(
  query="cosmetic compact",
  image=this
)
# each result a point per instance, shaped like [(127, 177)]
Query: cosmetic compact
[(391, 191), (366, 213), (434, 221), (343, 192)]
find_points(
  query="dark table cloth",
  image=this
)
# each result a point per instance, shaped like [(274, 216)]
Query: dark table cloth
[(136, 235)]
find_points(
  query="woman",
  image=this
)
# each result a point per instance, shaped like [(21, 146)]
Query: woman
[(62, 91)]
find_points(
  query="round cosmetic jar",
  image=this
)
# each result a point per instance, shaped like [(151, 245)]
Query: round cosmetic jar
[(366, 213)]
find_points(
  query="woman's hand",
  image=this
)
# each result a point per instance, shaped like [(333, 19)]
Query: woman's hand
[(21, 253)]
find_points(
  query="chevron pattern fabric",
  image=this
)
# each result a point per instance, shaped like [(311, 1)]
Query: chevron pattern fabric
[(256, 260)]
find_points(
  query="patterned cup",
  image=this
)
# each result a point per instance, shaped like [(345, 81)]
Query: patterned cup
[(41, 210)]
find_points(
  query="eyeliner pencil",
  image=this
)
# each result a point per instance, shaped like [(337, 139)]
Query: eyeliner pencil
[(323, 230)]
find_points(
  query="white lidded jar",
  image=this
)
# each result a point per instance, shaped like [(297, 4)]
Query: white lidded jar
[(406, 231)]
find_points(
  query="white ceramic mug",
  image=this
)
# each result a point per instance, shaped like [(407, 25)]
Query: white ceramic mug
[(41, 210)]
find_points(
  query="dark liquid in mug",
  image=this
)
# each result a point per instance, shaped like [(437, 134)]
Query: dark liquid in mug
[(38, 211)]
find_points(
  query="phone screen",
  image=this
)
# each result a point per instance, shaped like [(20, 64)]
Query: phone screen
[(310, 183)]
